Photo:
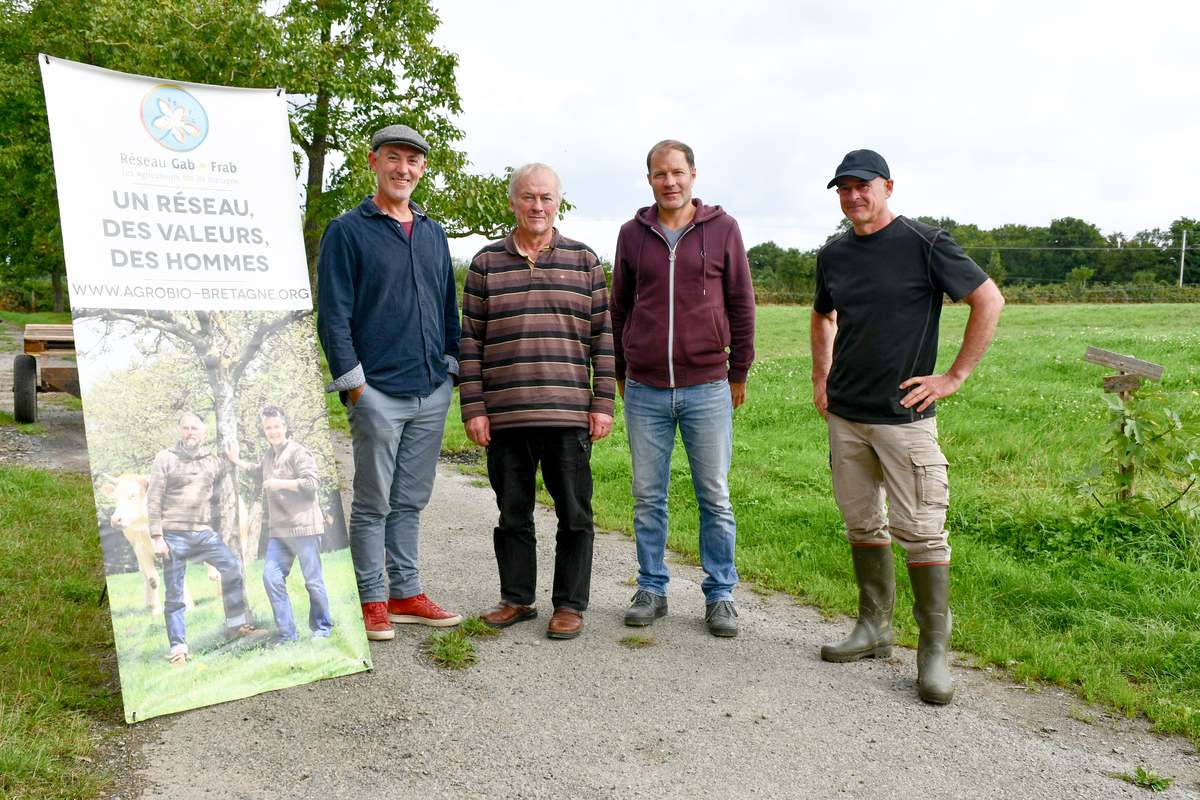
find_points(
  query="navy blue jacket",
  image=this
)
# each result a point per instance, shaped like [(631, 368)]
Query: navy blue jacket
[(387, 302)]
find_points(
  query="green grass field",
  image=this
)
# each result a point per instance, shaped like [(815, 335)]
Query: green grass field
[(1041, 586), (23, 318), (57, 670), (58, 666), (215, 671)]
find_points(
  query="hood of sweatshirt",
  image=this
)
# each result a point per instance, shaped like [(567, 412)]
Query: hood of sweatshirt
[(648, 216)]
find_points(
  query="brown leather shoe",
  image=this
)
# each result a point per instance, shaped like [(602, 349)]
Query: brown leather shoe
[(567, 623), (244, 631), (507, 613)]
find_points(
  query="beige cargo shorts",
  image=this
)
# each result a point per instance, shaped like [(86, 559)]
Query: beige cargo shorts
[(902, 464)]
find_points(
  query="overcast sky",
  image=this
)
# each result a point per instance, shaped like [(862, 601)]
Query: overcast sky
[(987, 112)]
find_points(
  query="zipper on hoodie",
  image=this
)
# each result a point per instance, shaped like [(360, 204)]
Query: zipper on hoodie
[(671, 299)]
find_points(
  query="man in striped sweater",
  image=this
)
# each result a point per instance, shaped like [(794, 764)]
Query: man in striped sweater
[(537, 385)]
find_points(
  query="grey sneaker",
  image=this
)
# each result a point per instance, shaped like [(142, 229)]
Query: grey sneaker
[(721, 618), (647, 607)]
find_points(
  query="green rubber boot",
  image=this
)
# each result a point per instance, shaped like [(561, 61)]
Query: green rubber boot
[(931, 608), (872, 635)]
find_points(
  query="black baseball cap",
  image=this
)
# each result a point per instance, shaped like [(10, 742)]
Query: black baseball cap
[(865, 164)]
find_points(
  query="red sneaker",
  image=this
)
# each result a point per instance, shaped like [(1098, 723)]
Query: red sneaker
[(375, 617), (420, 609)]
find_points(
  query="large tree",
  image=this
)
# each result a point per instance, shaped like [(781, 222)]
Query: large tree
[(349, 66), (354, 66), (30, 238)]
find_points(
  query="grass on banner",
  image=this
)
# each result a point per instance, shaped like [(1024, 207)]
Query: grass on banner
[(217, 671)]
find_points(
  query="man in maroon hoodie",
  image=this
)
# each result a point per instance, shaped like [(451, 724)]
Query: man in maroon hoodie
[(682, 308)]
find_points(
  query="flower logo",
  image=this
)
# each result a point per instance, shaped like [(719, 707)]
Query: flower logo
[(174, 118)]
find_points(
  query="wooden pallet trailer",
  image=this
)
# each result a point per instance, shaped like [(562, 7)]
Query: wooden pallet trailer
[(42, 342)]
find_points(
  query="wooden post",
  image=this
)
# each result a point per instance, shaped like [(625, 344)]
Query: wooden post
[(1182, 252), (1128, 380), (1126, 492)]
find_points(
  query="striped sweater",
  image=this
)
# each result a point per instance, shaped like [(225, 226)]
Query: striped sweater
[(536, 340)]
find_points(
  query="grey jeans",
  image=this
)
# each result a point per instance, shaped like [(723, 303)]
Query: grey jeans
[(396, 445)]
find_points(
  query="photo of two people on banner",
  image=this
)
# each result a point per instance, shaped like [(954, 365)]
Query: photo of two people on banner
[(164, 506)]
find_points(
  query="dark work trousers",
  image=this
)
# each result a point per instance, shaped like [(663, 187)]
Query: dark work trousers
[(565, 455)]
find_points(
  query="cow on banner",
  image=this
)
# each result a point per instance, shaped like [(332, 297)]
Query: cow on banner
[(132, 518)]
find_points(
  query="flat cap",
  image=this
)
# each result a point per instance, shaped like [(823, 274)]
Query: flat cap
[(399, 134)]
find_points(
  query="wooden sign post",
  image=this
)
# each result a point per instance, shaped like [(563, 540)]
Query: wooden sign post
[(1128, 379)]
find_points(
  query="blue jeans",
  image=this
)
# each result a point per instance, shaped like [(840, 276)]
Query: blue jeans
[(704, 417), (396, 445), (200, 546), (281, 554)]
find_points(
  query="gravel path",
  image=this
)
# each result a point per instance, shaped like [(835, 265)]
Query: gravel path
[(756, 716)]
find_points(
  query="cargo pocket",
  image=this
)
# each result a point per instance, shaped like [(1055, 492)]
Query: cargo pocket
[(583, 469), (931, 476)]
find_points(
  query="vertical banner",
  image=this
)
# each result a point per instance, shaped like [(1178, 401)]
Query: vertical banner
[(225, 547)]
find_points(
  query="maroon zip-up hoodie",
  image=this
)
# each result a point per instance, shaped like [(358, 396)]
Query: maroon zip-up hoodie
[(672, 324)]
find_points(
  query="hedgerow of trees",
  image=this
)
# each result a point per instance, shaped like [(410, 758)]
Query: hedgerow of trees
[(1067, 250)]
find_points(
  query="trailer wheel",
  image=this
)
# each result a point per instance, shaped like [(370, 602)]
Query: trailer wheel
[(25, 388)]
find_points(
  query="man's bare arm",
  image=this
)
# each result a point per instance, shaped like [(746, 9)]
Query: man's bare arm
[(986, 303), (823, 330)]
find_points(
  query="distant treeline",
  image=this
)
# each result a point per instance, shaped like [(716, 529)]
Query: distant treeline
[(1069, 252), (1039, 294), (1070, 261)]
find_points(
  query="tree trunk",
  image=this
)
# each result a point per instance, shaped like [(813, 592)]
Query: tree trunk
[(254, 526), (56, 282), (227, 498), (223, 405), (315, 187)]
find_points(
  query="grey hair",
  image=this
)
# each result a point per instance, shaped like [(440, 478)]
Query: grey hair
[(189, 413), (672, 144), (277, 413), (528, 169)]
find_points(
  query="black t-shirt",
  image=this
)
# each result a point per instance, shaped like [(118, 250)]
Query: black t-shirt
[(887, 289)]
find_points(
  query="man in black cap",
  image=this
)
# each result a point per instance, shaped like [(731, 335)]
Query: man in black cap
[(874, 345), (389, 324)]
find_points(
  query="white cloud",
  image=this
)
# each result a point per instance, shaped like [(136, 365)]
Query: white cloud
[(987, 112)]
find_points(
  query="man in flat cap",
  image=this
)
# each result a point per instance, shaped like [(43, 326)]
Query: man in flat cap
[(389, 324), (874, 344)]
